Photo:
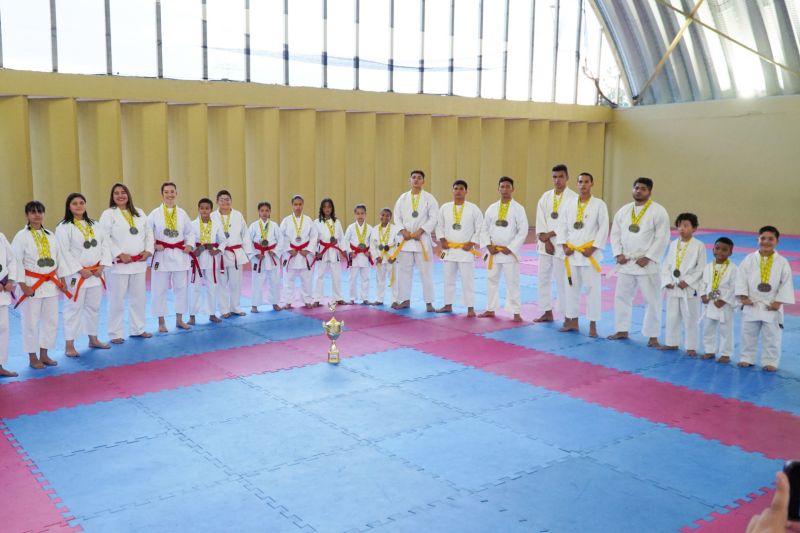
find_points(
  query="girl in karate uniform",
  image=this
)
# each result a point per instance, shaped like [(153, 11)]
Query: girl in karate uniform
[(331, 240)]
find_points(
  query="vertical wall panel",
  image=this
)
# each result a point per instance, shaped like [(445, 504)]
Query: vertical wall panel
[(492, 139), (418, 146), (262, 159), (100, 149), (145, 160), (538, 165), (188, 153), (391, 176), (54, 153), (360, 166), (331, 144), (15, 170), (444, 157), (515, 156), (577, 151), (595, 154), (297, 159), (226, 154), (559, 144), (468, 159)]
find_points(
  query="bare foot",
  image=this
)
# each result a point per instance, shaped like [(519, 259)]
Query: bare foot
[(724, 359), (365, 302), (486, 314), (691, 353), (69, 349), (72, 353), (471, 312), (287, 306), (517, 318), (665, 348), (308, 306), (570, 324), (226, 315), (547, 316), (742, 364), (47, 361), (254, 309), (445, 309), (239, 313), (429, 308), (7, 373), (181, 324), (707, 356), (162, 326), (618, 336), (35, 363), (401, 305), (145, 334), (593, 329), (191, 320), (653, 343), (317, 304), (277, 307), (769, 368), (215, 319), (95, 343), (117, 341)]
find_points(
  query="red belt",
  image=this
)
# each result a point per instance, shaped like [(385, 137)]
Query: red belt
[(235, 260), (41, 279), (356, 250), (173, 246), (134, 259), (325, 247), (196, 265), (264, 250), (297, 248), (93, 268)]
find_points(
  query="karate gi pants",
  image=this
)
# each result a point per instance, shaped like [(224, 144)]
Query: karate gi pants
[(467, 271), (771, 335), (682, 312), (359, 283), (203, 294), (335, 268), (229, 289), (405, 265), (551, 267), (272, 279), (134, 287), (583, 276), (81, 317), (511, 273), (383, 278), (725, 328), (304, 275), (650, 286), (160, 282), (39, 323)]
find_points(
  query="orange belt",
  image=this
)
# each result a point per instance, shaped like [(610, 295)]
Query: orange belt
[(264, 250), (356, 250), (93, 268), (297, 248), (40, 280)]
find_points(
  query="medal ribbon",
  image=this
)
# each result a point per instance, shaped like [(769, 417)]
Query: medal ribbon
[(42, 243), (226, 224), (766, 267), (361, 236), (581, 209), (85, 229), (503, 211), (415, 201), (718, 274), (128, 217), (170, 217), (331, 226), (297, 229), (205, 232), (384, 237), (680, 252), (457, 213), (636, 218), (264, 230), (557, 200)]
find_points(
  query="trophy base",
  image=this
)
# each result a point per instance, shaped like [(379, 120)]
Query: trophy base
[(333, 355)]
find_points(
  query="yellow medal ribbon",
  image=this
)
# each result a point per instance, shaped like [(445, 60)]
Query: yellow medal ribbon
[(264, 229), (636, 218), (297, 228), (361, 236), (581, 209), (502, 213), (415, 201), (457, 213), (205, 232), (42, 243), (581, 248), (170, 217), (766, 268), (226, 223), (557, 200), (718, 274), (128, 217), (680, 252), (331, 226), (384, 236), (86, 230)]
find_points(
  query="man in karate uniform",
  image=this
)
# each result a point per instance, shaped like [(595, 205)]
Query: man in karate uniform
[(300, 237), (582, 235), (459, 232), (505, 227), (416, 213), (234, 257), (551, 257), (639, 235)]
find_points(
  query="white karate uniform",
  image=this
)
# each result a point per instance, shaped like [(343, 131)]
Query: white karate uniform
[(757, 318), (40, 311), (512, 237), (594, 230), (82, 312), (683, 305), (267, 268), (551, 266), (360, 263), (456, 260), (237, 249), (170, 266), (203, 289), (719, 318), (8, 273), (412, 252), (298, 267), (651, 241), (126, 279), (330, 260), (384, 271)]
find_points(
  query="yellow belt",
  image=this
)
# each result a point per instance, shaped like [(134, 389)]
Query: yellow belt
[(461, 245), (386, 262), (491, 256), (400, 247), (581, 248)]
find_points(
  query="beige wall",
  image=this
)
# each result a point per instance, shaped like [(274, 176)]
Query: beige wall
[(734, 163)]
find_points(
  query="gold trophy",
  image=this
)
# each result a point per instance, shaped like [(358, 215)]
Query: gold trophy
[(333, 328)]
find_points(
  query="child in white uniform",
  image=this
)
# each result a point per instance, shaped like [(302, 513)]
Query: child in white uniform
[(357, 238), (268, 245), (8, 278), (719, 278), (301, 239), (327, 258), (384, 244), (209, 242)]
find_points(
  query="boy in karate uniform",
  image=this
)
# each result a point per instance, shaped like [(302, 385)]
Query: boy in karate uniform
[(384, 242), (235, 252), (719, 279), (416, 213), (357, 238), (267, 239), (332, 246), (682, 278), (8, 277), (301, 238), (171, 262), (505, 227), (459, 232), (208, 246), (582, 235), (764, 285)]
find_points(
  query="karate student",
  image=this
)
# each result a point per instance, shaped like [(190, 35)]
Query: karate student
[(764, 285), (171, 262), (209, 243), (41, 268), (8, 278), (357, 238), (384, 242), (85, 249), (682, 278), (331, 239), (267, 239), (582, 235), (301, 238), (719, 280), (236, 250), (130, 242), (459, 231), (505, 227), (639, 235), (416, 213), (551, 257)]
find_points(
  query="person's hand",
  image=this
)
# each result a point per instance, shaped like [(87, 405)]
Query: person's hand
[(26, 290), (543, 237), (187, 249), (492, 249), (391, 261), (773, 518), (745, 300), (643, 262), (145, 255), (506, 251), (417, 234), (443, 243), (719, 303), (621, 259), (406, 234), (124, 258), (292, 253), (549, 248), (682, 284), (215, 251), (379, 259), (9, 286), (99, 272), (568, 250), (85, 273), (670, 286), (159, 247), (318, 256), (774, 306), (469, 246), (589, 251), (704, 298), (305, 253)]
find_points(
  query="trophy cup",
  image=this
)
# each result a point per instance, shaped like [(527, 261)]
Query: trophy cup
[(333, 328)]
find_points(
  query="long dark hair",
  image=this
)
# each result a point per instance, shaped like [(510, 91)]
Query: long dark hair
[(68, 216), (333, 209), (129, 206)]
